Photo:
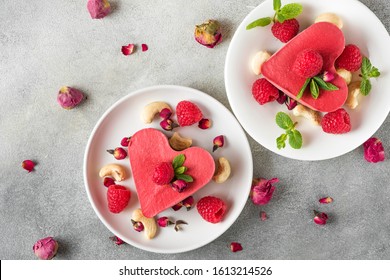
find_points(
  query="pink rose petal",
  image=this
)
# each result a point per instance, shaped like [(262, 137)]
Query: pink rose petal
[(128, 50), (326, 200), (263, 216), (117, 240), (320, 218), (373, 150), (262, 190), (28, 165), (144, 47)]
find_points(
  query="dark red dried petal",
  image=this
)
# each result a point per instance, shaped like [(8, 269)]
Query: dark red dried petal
[(28, 165), (128, 50), (108, 181), (235, 247), (144, 47)]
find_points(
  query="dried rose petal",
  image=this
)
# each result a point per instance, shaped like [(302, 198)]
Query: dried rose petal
[(69, 97), (263, 216), (46, 248), (117, 240), (98, 8), (137, 226), (179, 185), (28, 165), (177, 207), (262, 190), (235, 247), (188, 202), (291, 103), (164, 222), (282, 98), (125, 141), (165, 113), (373, 150), (119, 153), (218, 142), (208, 33), (168, 124), (108, 181), (178, 223), (144, 47), (320, 218), (128, 50), (326, 200), (328, 76), (204, 124)]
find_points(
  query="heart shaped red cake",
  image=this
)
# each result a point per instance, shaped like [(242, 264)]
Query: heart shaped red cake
[(150, 147)]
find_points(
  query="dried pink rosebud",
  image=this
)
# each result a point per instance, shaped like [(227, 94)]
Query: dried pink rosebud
[(144, 47), (165, 113), (282, 98), (177, 207), (98, 8), (164, 222), (108, 181), (262, 190), (119, 153), (328, 76), (46, 248), (168, 124), (291, 103), (235, 247), (128, 50), (137, 226), (179, 185), (208, 33), (117, 240), (373, 150), (188, 202), (204, 124), (178, 223), (326, 200), (125, 141), (28, 165), (69, 97), (263, 216), (320, 218), (218, 142)]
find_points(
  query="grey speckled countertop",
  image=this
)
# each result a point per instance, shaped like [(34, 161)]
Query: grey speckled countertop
[(45, 45)]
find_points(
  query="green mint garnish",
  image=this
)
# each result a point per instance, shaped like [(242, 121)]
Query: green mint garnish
[(179, 169), (178, 161), (303, 88), (315, 91), (259, 22), (368, 71), (294, 136), (185, 177), (315, 84)]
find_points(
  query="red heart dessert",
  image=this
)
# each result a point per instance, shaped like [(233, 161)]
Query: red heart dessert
[(324, 38), (150, 147)]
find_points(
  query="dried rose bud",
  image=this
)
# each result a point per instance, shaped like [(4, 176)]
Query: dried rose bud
[(263, 216), (125, 141), (320, 218), (165, 113), (328, 76), (28, 165), (177, 207), (326, 200), (69, 97), (137, 226), (144, 47), (188, 202), (108, 181), (218, 142), (291, 103), (168, 124), (164, 222), (179, 185), (373, 150), (117, 240), (118, 153), (128, 50), (262, 190), (235, 247), (98, 8), (46, 248), (204, 124), (208, 33), (282, 98), (178, 223)]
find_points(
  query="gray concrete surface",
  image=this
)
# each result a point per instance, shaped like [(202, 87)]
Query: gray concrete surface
[(47, 44)]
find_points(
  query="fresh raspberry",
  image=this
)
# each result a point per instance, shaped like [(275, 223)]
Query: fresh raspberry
[(263, 91), (163, 173), (350, 59), (211, 208), (285, 31), (336, 122), (118, 197), (308, 63), (188, 113)]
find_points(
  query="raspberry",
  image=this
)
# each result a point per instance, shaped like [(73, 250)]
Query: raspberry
[(118, 197), (264, 92), (163, 173), (336, 122), (188, 113), (308, 63), (211, 208), (350, 59), (285, 31)]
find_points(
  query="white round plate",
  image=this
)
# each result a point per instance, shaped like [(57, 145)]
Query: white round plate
[(123, 119), (361, 27)]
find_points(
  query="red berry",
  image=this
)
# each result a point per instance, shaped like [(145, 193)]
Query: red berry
[(188, 113), (336, 122), (350, 59), (118, 197), (163, 173), (264, 92), (308, 63), (285, 31), (211, 208)]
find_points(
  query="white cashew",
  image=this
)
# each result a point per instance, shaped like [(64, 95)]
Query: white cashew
[(179, 143), (152, 109), (302, 111), (330, 17), (116, 171), (222, 170), (150, 225), (353, 95), (258, 61), (345, 74)]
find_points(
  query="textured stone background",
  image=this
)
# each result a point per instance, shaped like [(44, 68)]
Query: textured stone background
[(45, 45)]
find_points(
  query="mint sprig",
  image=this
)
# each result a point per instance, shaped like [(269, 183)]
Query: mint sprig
[(368, 72), (179, 169), (316, 83), (294, 136)]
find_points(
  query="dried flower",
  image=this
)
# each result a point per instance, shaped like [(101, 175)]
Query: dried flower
[(218, 142), (98, 8), (28, 165), (117, 240), (320, 218), (164, 222), (179, 185), (204, 124), (46, 248), (263, 216), (328, 76), (108, 181), (282, 98), (137, 226), (69, 97), (208, 33), (177, 207), (235, 247), (262, 190), (188, 202), (125, 141), (128, 50), (165, 113), (326, 200), (119, 153), (373, 150), (168, 124), (144, 47), (291, 103), (178, 223)]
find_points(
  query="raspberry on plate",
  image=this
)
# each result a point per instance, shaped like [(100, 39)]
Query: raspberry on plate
[(163, 173), (188, 113), (308, 63), (264, 92), (285, 31), (211, 208), (350, 59), (336, 122), (118, 197)]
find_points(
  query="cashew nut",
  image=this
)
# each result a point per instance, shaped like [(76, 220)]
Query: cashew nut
[(179, 143), (116, 171), (152, 109), (353, 94), (222, 171), (150, 225), (258, 60), (330, 17), (345, 74), (302, 111)]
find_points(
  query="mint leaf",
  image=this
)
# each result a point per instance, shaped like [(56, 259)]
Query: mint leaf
[(374, 73), (180, 170), (277, 5), (303, 88), (178, 161), (290, 11), (281, 141), (284, 121), (315, 91), (325, 85), (259, 22), (280, 17), (185, 177), (365, 86), (366, 67), (295, 139)]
